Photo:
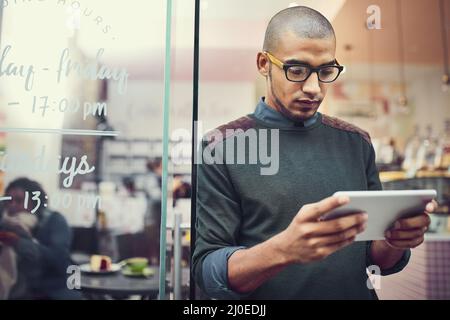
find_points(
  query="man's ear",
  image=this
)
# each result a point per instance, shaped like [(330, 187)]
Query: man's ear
[(262, 64)]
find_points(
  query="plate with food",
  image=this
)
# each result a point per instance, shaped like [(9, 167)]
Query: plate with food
[(144, 273), (137, 267), (100, 265)]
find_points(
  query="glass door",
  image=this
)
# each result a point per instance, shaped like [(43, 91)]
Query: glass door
[(83, 104)]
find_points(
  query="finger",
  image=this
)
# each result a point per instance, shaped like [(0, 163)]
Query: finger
[(336, 238), (405, 234), (313, 211), (406, 244), (327, 250), (420, 221), (330, 227), (431, 206)]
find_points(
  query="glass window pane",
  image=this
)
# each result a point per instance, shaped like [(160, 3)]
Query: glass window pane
[(81, 120)]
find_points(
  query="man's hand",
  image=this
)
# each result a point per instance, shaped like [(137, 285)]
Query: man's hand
[(307, 239), (406, 234), (15, 225), (409, 232)]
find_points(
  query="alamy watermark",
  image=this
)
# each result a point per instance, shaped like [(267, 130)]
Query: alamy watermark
[(374, 20), (74, 278), (252, 146), (374, 280)]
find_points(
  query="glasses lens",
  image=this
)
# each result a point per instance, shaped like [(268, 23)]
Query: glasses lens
[(297, 73), (328, 74)]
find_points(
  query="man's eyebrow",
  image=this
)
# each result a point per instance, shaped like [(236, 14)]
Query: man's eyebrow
[(295, 61)]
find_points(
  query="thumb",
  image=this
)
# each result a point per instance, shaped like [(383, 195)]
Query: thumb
[(431, 206), (313, 211)]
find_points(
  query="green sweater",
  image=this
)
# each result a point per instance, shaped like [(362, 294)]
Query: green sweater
[(238, 206)]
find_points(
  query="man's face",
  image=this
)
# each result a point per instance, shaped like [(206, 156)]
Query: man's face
[(297, 100), (16, 204)]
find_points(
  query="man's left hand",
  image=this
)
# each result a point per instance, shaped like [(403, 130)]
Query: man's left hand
[(409, 232)]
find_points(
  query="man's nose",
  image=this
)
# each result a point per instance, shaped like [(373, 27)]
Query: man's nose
[(311, 85)]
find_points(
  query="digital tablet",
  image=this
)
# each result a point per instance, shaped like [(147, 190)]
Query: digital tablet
[(383, 208)]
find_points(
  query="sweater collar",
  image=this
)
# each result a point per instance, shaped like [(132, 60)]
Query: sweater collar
[(267, 114)]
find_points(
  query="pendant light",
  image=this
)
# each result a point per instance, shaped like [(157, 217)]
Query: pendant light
[(371, 57), (402, 100), (446, 74)]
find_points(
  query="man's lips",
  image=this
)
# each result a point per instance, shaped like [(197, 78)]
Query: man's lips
[(307, 104), (305, 101)]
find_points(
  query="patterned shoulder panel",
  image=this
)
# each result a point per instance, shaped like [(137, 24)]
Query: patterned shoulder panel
[(244, 123), (343, 125)]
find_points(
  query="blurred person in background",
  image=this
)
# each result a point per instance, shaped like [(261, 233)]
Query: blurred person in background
[(40, 243), (181, 189), (153, 192)]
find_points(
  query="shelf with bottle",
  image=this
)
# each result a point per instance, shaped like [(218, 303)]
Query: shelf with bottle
[(425, 156)]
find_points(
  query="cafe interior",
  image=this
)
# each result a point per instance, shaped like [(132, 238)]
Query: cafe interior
[(97, 103)]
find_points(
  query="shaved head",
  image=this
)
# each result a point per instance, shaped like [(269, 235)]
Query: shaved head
[(302, 21)]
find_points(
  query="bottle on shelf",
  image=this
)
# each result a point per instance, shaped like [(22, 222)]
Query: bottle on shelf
[(410, 163), (444, 143), (102, 223), (428, 156)]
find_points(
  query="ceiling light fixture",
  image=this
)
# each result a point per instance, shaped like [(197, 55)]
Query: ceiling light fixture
[(446, 76), (402, 100)]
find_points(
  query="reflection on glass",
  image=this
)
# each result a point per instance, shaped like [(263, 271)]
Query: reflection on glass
[(81, 135)]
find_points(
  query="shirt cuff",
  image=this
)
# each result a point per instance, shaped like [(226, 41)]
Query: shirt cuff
[(399, 266), (215, 274)]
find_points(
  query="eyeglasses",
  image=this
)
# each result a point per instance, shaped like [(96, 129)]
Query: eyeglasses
[(296, 72)]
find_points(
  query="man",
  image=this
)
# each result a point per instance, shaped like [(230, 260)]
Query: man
[(261, 236)]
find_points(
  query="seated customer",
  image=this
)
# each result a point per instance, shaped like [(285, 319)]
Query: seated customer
[(43, 251)]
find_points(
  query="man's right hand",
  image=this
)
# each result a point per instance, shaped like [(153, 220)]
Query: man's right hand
[(308, 239), (305, 240)]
